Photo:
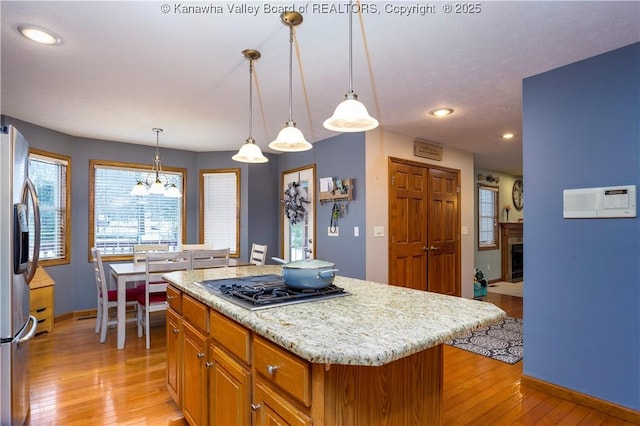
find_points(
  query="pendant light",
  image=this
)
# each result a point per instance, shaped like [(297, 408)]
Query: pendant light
[(157, 187), (290, 138), (350, 115), (250, 152)]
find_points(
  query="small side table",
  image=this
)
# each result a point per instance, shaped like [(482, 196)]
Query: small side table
[(41, 299)]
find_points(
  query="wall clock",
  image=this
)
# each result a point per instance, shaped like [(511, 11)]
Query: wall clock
[(518, 194)]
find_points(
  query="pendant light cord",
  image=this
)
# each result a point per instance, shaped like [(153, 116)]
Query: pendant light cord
[(351, 46), (290, 72), (251, 99)]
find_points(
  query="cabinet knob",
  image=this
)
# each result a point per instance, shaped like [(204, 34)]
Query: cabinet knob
[(200, 355), (171, 297), (255, 407), (271, 369), (176, 331), (208, 364)]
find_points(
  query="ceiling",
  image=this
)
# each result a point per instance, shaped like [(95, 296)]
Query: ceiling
[(125, 67)]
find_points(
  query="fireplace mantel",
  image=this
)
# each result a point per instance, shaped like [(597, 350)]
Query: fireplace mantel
[(510, 233)]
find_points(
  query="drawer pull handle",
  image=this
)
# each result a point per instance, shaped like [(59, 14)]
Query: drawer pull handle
[(255, 407), (200, 355), (271, 369), (176, 331), (208, 364), (171, 297), (41, 310)]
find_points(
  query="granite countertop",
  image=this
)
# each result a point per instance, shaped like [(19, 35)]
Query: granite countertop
[(374, 325)]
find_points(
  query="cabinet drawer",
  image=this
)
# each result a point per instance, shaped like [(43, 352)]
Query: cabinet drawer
[(41, 297), (174, 297), (282, 368), (196, 313), (45, 320), (232, 336)]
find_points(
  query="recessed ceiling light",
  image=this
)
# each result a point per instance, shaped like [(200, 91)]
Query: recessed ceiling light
[(39, 35), (441, 112), (507, 136)]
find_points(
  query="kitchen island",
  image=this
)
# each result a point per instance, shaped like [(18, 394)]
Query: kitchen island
[(371, 357)]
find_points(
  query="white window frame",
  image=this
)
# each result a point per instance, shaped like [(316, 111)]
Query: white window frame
[(118, 220), (54, 195), (488, 238), (220, 209)]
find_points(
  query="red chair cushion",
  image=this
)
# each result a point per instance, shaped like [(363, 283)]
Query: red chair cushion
[(153, 298), (132, 294)]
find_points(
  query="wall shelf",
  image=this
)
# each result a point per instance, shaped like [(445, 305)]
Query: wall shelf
[(337, 194)]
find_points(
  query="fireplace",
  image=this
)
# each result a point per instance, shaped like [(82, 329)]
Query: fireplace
[(512, 250), (516, 261)]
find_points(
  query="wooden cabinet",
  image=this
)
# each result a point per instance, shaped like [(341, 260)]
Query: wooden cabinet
[(232, 376), (194, 400), (229, 389), (272, 409), (41, 299), (174, 355)]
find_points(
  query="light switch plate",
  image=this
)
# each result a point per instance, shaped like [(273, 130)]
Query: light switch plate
[(378, 231)]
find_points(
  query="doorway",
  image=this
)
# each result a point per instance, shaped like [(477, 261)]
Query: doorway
[(424, 231)]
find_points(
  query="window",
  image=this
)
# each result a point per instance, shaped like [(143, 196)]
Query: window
[(118, 220), (220, 209), (487, 217), (50, 175)]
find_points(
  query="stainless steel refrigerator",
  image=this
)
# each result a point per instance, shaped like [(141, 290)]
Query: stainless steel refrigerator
[(18, 261)]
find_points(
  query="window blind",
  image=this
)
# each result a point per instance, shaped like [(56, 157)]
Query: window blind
[(220, 209), (121, 220), (49, 176), (487, 217)]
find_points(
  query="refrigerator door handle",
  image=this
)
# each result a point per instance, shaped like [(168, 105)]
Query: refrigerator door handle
[(30, 190), (31, 333)]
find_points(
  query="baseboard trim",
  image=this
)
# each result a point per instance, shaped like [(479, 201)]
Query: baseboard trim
[(624, 413)]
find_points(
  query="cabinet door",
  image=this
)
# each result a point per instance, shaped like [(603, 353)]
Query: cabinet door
[(229, 390), (194, 400), (273, 409), (174, 355)]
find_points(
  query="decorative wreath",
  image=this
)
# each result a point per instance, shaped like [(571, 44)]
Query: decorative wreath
[(295, 203)]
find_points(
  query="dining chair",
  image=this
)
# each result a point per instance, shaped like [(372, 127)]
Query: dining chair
[(218, 258), (258, 254), (108, 299), (154, 296), (140, 250), (203, 246)]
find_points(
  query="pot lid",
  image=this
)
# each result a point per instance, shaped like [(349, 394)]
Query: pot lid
[(309, 264)]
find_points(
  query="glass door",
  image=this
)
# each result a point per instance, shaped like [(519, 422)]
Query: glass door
[(298, 217)]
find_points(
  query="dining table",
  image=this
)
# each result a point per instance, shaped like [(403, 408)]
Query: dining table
[(121, 274)]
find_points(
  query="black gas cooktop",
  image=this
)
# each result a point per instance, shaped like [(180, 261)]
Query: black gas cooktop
[(265, 291)]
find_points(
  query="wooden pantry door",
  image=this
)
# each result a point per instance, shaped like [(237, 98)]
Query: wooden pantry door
[(424, 241)]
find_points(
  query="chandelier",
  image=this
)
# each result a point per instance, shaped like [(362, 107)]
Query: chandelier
[(158, 187)]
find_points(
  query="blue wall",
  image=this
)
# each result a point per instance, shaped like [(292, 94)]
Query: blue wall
[(341, 156), (582, 293)]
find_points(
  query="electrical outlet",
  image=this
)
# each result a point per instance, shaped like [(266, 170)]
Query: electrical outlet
[(356, 231), (488, 267), (333, 232), (378, 231)]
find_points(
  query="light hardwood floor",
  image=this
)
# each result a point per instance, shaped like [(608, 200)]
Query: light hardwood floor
[(75, 380)]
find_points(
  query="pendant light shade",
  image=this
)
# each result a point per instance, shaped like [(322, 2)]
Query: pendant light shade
[(350, 115), (290, 138), (250, 152)]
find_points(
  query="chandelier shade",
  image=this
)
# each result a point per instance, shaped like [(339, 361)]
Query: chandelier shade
[(290, 138), (250, 152), (350, 115), (158, 187)]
